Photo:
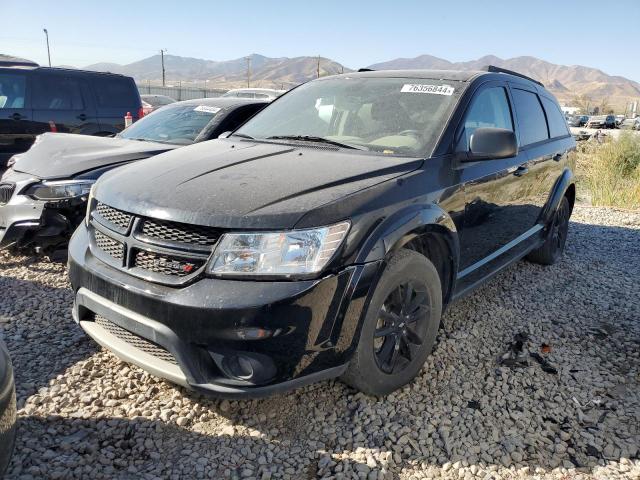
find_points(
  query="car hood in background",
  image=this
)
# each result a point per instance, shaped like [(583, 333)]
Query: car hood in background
[(63, 155), (242, 184)]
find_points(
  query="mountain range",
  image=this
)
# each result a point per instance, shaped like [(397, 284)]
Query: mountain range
[(282, 72), (566, 82)]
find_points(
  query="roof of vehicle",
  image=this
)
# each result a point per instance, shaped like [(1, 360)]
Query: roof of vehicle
[(454, 75), (222, 102), (256, 90), (11, 61), (76, 71)]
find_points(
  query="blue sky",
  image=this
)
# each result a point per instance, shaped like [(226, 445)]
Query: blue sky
[(355, 33)]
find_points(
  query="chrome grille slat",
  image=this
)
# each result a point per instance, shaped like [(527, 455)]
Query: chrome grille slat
[(113, 217), (174, 232), (6, 192), (108, 245), (134, 340)]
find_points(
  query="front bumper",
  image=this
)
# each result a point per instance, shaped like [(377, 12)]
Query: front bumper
[(229, 338), (20, 216)]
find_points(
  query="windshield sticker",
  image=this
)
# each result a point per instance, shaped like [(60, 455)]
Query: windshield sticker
[(205, 108), (433, 89)]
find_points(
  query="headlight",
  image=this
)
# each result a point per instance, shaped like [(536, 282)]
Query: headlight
[(296, 252), (60, 190), (92, 193)]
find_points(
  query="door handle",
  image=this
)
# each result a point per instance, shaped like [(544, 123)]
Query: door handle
[(521, 171), (82, 117), (16, 116), (558, 156)]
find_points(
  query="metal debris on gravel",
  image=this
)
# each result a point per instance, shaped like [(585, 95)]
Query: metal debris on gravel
[(85, 414)]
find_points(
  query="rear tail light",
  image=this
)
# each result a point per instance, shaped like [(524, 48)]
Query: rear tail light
[(140, 113)]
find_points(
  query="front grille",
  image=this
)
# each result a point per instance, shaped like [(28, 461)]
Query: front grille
[(113, 217), (157, 250), (180, 233), (109, 246), (166, 264), (134, 340), (6, 192)]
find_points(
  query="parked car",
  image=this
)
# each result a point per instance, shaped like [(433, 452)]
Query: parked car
[(260, 93), (153, 102), (34, 100), (602, 121), (579, 121), (43, 196), (297, 249), (7, 408), (631, 123)]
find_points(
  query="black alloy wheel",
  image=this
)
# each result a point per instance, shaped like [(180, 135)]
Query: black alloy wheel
[(399, 326), (553, 246), (398, 335)]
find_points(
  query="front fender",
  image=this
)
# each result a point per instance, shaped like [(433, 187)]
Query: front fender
[(400, 228)]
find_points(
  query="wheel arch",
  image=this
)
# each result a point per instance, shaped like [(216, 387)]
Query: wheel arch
[(427, 229), (564, 186)]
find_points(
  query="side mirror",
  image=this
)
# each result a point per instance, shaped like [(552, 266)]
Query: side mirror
[(225, 134), (492, 143)]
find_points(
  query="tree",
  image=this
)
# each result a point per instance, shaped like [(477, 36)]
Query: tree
[(584, 103), (604, 107)]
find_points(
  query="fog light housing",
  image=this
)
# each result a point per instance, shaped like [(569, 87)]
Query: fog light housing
[(246, 367)]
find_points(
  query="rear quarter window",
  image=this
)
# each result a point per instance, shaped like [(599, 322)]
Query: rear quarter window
[(115, 92), (557, 124), (531, 119)]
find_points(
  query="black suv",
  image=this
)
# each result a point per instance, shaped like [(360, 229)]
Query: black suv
[(35, 100), (325, 236)]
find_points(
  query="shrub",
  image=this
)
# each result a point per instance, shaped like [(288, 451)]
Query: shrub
[(611, 170)]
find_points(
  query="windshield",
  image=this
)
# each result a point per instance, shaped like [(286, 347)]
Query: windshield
[(179, 124), (398, 116)]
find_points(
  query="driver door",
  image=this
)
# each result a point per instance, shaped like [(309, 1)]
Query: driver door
[(495, 213)]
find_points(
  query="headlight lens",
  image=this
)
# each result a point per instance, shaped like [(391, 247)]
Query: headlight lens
[(60, 190), (296, 252)]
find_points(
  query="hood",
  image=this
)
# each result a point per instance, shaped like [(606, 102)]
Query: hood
[(63, 155), (243, 184)]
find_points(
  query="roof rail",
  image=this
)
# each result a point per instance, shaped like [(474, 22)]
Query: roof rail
[(366, 70), (494, 69)]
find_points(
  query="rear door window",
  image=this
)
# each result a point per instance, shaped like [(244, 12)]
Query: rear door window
[(114, 92), (53, 92), (557, 123), (531, 119), (13, 89), (490, 108)]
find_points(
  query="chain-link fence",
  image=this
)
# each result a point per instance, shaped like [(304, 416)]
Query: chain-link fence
[(180, 93)]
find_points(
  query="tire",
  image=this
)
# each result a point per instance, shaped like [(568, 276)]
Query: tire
[(553, 246), (405, 331)]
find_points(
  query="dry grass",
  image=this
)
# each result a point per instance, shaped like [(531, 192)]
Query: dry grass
[(611, 171)]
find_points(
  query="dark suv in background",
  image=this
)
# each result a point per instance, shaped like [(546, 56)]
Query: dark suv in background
[(325, 236), (35, 100)]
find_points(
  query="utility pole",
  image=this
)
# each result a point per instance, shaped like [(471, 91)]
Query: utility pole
[(162, 56), (48, 51), (318, 68), (248, 71)]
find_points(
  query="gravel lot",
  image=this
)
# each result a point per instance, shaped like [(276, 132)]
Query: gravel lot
[(535, 374)]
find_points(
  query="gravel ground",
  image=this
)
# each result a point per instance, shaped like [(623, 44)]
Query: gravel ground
[(535, 374)]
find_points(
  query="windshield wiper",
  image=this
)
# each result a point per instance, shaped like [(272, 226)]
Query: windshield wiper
[(242, 135), (311, 138)]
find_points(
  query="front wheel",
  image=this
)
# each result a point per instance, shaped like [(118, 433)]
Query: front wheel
[(400, 326), (552, 248)]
